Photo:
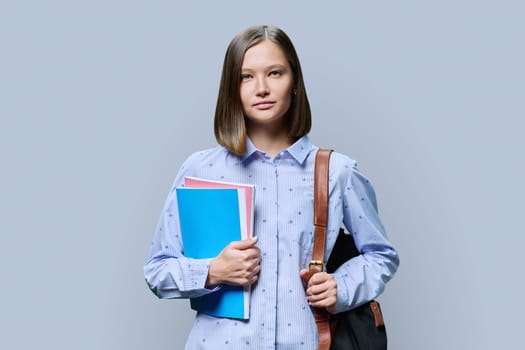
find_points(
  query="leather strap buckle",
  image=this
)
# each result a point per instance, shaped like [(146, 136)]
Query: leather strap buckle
[(317, 263)]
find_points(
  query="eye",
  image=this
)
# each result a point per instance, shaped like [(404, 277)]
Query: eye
[(245, 77), (275, 73)]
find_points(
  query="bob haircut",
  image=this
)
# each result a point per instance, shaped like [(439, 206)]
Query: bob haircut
[(229, 123)]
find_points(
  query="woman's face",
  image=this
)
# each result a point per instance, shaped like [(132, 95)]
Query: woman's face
[(266, 84)]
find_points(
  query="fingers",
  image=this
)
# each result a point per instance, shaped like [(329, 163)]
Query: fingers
[(305, 275), (237, 264), (318, 289), (328, 303), (249, 264), (245, 273), (251, 254), (321, 291), (246, 249), (244, 244), (319, 278), (252, 277)]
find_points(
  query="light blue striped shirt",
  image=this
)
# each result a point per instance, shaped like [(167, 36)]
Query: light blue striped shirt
[(280, 317)]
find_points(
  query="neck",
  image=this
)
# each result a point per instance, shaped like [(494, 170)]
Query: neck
[(270, 140)]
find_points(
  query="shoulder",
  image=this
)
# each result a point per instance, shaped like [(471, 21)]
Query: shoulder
[(204, 157), (355, 182), (342, 166), (195, 162), (339, 160), (345, 170)]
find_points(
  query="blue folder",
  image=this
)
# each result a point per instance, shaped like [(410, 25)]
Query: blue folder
[(210, 219)]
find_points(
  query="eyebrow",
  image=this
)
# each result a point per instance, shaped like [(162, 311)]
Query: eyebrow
[(277, 65), (270, 67)]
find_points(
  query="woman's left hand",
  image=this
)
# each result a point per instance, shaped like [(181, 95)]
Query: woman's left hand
[(321, 290)]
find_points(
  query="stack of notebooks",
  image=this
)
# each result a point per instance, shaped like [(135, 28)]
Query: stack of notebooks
[(212, 214)]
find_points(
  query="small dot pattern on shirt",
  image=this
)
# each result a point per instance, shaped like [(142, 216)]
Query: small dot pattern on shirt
[(283, 223)]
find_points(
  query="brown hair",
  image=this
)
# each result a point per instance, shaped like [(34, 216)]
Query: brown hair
[(229, 123)]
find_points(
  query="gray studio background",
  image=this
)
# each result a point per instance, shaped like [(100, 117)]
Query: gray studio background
[(101, 101)]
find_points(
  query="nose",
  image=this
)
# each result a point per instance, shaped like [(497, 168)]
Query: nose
[(262, 87)]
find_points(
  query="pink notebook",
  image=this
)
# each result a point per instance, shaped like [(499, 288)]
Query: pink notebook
[(195, 182)]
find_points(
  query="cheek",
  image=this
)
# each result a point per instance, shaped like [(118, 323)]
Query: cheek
[(244, 94), (286, 97), (286, 94)]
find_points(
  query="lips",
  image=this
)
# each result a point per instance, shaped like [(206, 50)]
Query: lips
[(264, 105)]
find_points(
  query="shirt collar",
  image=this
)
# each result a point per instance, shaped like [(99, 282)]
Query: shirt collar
[(299, 150), (250, 149)]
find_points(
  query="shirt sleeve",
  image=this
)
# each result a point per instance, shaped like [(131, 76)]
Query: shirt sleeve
[(168, 273), (363, 278)]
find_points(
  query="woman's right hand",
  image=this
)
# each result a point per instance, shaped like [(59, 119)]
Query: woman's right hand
[(237, 264)]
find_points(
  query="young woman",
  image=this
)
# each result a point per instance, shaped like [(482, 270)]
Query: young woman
[(262, 120)]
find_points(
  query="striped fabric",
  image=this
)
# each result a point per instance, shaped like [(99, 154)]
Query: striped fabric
[(280, 317)]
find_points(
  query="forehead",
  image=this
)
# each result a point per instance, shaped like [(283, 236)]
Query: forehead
[(266, 53)]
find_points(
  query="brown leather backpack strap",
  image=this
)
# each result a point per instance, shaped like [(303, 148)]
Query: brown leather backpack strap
[(322, 161), (321, 173)]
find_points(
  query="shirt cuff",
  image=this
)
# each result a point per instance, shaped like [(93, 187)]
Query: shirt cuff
[(195, 284), (343, 302)]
